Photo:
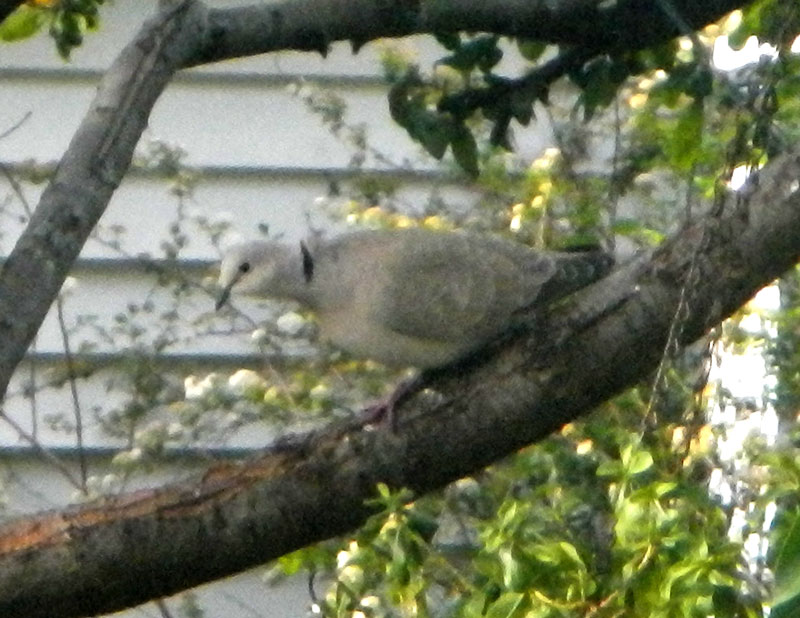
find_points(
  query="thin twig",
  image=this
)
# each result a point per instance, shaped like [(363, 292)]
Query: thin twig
[(57, 463), (536, 83), (162, 608), (32, 395), (683, 27), (16, 187), (16, 125), (613, 186), (235, 600), (72, 377), (312, 593), (675, 329)]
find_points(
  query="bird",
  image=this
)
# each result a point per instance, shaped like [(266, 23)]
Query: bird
[(410, 297)]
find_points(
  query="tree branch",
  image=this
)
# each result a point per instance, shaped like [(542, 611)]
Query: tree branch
[(514, 97), (312, 25)]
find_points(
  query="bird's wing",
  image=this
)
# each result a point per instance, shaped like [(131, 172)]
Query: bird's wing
[(457, 287)]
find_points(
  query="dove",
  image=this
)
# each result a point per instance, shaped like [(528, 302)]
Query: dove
[(409, 297)]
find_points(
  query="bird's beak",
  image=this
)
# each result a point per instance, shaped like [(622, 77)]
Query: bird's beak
[(224, 296)]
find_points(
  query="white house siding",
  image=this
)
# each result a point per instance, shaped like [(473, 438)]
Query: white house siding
[(262, 158)]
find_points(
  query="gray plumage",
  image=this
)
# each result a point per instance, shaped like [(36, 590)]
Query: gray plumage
[(411, 297)]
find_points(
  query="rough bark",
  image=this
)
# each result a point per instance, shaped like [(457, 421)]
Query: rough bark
[(124, 551), (313, 24)]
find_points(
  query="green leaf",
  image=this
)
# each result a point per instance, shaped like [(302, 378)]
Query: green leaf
[(725, 602), (787, 609), (448, 40), (634, 229), (599, 81), (21, 24), (521, 107), (430, 131), (673, 575), (530, 50), (465, 150), (684, 149), (641, 461), (626, 227), (517, 573), (506, 605), (473, 606), (423, 524), (610, 469), (787, 567), (481, 51)]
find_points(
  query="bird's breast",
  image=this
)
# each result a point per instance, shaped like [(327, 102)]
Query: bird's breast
[(364, 338)]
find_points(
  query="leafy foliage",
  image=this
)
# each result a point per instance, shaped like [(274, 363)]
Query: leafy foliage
[(21, 24), (588, 523), (68, 22)]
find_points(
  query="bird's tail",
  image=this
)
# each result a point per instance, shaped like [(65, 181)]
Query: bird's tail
[(576, 270)]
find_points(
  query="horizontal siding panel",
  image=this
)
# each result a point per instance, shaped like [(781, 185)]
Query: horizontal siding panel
[(270, 126), (70, 73), (282, 199), (240, 124)]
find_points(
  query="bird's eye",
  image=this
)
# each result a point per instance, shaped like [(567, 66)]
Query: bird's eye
[(244, 267)]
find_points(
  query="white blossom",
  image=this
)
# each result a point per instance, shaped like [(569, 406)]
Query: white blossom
[(245, 380), (199, 388), (291, 323)]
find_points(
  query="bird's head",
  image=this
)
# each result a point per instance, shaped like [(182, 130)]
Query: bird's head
[(249, 267)]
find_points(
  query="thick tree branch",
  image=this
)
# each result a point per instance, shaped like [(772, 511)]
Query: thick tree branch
[(627, 25), (126, 550), (312, 25)]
